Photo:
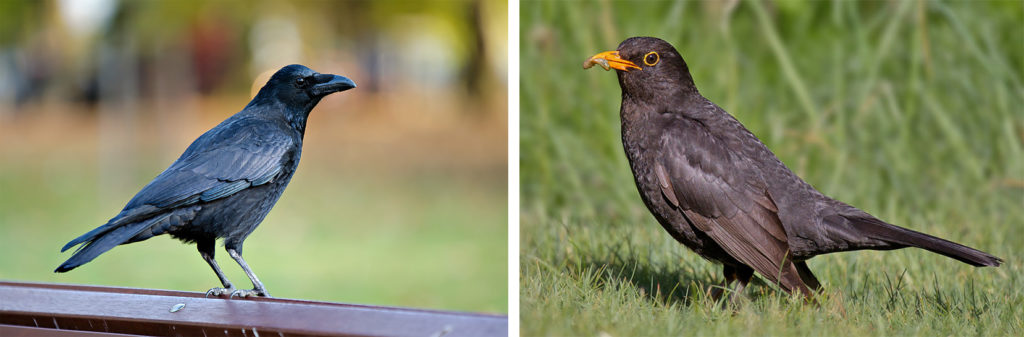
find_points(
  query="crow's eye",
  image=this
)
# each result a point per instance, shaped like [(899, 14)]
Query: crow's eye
[(300, 81), (651, 58)]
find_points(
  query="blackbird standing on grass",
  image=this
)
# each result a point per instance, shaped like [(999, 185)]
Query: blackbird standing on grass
[(718, 190), (226, 181)]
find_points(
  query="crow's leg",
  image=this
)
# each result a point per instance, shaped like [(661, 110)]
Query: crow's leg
[(258, 289), (206, 250)]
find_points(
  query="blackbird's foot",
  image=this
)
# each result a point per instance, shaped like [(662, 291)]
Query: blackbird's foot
[(716, 293), (249, 292), (217, 292)]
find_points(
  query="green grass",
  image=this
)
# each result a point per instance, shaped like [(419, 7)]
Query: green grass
[(344, 232), (912, 111)]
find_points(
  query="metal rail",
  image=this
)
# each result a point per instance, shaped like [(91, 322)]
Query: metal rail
[(36, 309)]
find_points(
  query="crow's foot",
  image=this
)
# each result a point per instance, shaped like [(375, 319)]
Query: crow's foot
[(249, 292), (216, 292)]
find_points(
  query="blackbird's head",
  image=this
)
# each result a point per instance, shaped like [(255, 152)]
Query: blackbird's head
[(299, 87), (646, 67)]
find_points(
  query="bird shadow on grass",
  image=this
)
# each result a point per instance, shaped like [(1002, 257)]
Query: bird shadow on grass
[(654, 283), (663, 283)]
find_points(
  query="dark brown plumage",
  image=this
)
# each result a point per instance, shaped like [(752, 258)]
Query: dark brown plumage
[(718, 190)]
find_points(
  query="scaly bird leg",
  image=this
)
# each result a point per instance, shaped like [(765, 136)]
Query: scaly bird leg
[(206, 250), (258, 289)]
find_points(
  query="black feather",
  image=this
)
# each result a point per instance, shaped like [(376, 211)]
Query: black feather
[(227, 180)]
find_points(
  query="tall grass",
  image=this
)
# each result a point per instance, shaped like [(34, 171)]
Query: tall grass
[(910, 110)]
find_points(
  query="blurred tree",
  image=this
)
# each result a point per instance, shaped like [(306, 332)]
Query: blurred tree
[(178, 49)]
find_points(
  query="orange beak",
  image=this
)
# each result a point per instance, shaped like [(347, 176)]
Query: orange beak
[(609, 60)]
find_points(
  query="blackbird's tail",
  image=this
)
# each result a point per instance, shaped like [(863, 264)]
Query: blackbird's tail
[(899, 237)]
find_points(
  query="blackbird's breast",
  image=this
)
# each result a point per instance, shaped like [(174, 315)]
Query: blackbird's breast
[(643, 149)]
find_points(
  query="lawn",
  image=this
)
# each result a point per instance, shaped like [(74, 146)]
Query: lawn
[(910, 110)]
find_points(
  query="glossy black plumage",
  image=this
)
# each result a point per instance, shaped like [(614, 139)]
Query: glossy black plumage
[(226, 181), (718, 190)]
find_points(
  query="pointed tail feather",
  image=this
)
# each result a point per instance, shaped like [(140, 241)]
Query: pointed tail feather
[(89, 236), (99, 242), (126, 217), (880, 230)]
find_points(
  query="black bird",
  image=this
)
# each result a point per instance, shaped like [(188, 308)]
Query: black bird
[(226, 181), (718, 190)]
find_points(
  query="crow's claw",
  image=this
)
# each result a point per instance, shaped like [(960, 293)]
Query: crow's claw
[(216, 292), (243, 293)]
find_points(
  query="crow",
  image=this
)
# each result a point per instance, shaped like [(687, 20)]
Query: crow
[(226, 181), (719, 191)]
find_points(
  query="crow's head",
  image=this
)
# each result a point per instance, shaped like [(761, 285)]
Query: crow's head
[(297, 86)]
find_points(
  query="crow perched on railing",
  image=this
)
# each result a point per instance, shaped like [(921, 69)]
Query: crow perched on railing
[(226, 181)]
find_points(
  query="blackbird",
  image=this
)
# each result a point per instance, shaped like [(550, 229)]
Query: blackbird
[(720, 192), (226, 181)]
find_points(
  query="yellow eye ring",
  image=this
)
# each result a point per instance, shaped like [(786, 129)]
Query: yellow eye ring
[(656, 58)]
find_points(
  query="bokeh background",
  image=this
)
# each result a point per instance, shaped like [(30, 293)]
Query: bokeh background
[(910, 110), (401, 196)]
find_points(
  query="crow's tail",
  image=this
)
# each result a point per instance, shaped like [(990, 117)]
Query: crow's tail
[(102, 239), (880, 230)]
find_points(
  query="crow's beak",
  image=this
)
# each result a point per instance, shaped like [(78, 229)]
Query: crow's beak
[(609, 60), (328, 84)]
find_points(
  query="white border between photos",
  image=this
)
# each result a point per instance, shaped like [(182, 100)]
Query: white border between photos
[(513, 167)]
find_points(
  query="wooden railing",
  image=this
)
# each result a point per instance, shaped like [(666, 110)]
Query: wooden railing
[(36, 309)]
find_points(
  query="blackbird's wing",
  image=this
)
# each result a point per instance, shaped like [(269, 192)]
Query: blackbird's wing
[(721, 192), (227, 159)]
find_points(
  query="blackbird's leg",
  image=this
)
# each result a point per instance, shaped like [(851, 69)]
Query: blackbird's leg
[(206, 250), (807, 276), (258, 289), (809, 280), (743, 274), (730, 276)]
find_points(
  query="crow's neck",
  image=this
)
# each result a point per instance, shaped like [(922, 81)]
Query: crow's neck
[(294, 117), (297, 117), (297, 120)]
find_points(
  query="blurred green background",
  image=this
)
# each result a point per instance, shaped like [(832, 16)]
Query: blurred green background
[(910, 110), (401, 196)]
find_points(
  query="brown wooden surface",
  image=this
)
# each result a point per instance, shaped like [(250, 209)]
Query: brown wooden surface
[(148, 312), (25, 331)]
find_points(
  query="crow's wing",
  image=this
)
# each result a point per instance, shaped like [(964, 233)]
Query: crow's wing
[(722, 193), (223, 161), (231, 157)]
